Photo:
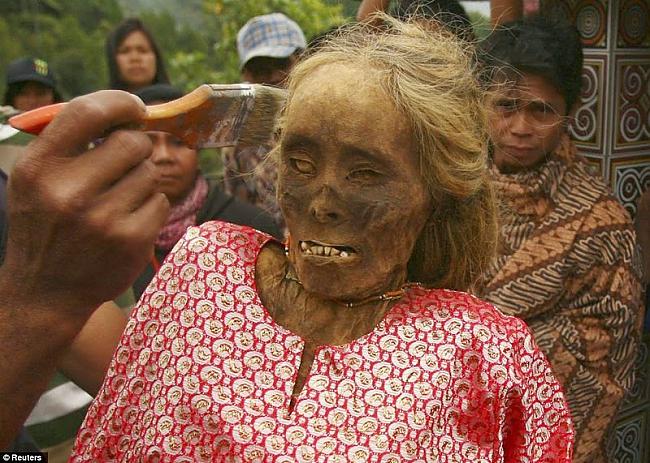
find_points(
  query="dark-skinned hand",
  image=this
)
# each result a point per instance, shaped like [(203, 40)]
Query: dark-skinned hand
[(82, 222)]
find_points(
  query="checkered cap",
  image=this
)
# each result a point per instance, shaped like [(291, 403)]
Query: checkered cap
[(272, 35)]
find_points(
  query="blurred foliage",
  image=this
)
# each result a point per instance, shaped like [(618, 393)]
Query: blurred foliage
[(197, 37), (69, 34)]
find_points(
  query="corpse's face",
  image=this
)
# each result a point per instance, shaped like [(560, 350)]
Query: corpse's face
[(349, 185), (527, 123), (136, 60)]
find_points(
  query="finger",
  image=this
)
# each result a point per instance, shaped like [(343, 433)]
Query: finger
[(148, 219), (85, 119), (97, 170), (153, 211), (133, 190)]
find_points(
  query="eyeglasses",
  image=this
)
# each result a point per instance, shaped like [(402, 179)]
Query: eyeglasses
[(538, 111)]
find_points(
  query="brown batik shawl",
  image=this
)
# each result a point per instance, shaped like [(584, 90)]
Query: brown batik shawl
[(569, 266)]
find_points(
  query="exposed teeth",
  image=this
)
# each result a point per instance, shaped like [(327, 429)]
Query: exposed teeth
[(321, 250)]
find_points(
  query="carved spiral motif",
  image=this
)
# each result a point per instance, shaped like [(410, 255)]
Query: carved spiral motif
[(633, 82), (585, 125), (590, 21), (631, 125), (634, 22), (634, 105), (628, 442), (630, 182)]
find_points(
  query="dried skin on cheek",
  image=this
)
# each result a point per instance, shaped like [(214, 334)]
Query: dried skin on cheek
[(377, 221)]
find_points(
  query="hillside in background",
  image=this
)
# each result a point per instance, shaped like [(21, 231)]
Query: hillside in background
[(189, 12)]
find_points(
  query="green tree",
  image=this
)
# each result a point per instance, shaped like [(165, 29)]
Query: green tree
[(68, 34), (196, 37)]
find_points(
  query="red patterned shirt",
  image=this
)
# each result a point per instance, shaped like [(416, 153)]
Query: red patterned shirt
[(203, 373)]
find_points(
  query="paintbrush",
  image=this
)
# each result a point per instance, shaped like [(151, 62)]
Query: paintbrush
[(211, 116)]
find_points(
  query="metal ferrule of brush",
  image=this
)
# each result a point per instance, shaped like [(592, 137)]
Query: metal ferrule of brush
[(232, 104)]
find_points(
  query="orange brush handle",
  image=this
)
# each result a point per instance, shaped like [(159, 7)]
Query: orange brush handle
[(158, 117), (36, 120)]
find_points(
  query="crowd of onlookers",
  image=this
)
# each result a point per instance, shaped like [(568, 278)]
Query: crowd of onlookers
[(568, 260)]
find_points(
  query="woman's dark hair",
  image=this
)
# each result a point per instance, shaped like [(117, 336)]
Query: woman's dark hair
[(548, 47), (14, 89), (113, 42)]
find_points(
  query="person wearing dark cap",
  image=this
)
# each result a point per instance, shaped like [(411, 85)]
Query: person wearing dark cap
[(30, 84), (194, 199)]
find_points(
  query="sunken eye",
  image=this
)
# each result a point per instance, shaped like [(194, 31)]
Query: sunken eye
[(364, 175), (302, 166)]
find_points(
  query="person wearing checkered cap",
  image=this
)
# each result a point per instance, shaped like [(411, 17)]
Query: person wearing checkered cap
[(268, 46)]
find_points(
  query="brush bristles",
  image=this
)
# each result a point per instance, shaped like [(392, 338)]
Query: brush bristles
[(259, 126)]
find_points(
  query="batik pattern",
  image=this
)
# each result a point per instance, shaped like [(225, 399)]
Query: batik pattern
[(569, 267)]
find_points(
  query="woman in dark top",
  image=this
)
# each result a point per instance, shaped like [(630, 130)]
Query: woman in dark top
[(134, 59), (194, 198)]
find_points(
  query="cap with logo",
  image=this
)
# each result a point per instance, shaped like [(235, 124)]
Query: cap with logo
[(30, 70), (271, 35)]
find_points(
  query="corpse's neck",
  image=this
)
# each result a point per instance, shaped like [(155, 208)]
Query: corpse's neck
[(316, 320)]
